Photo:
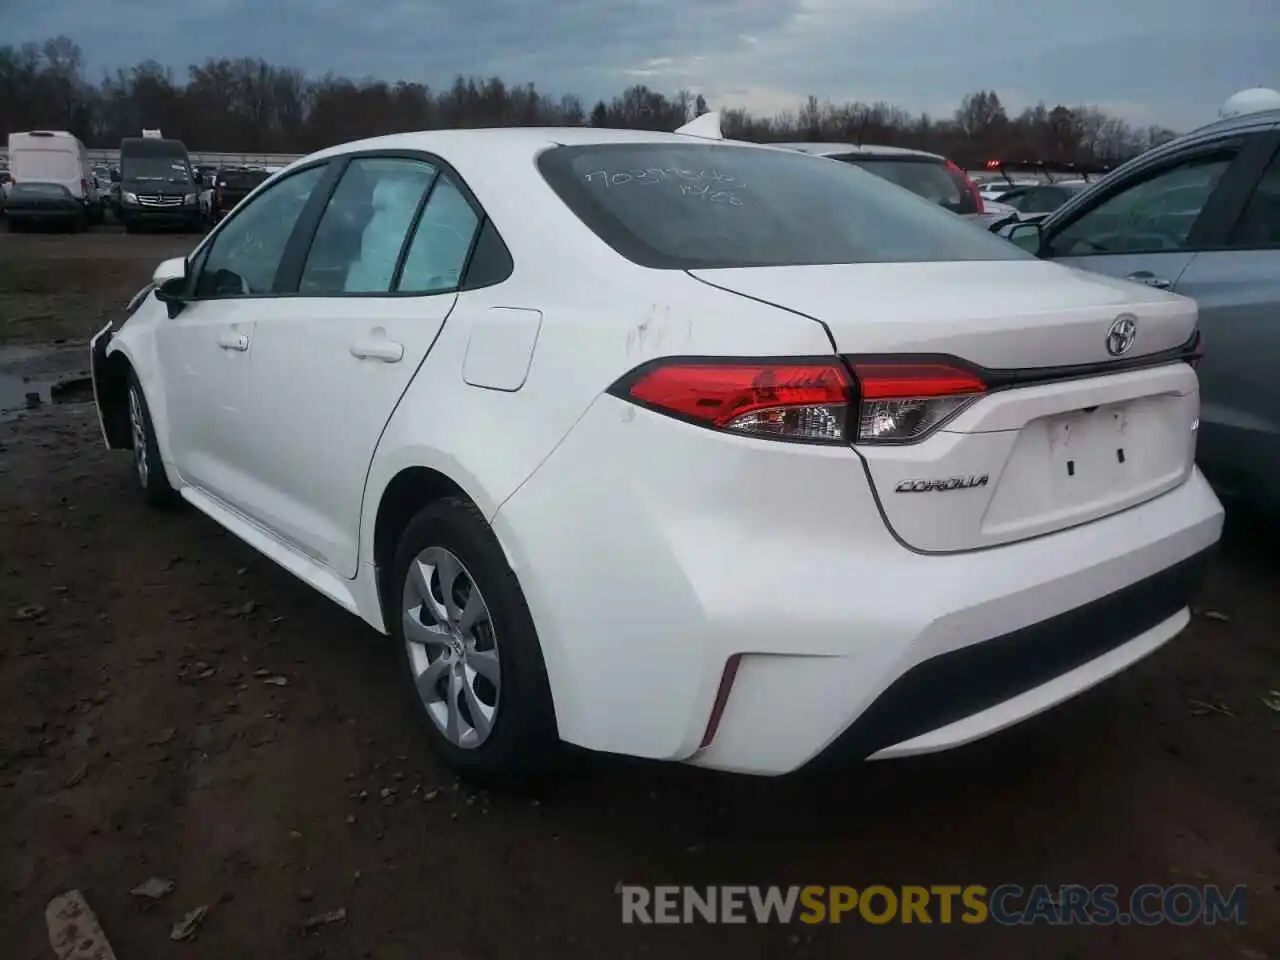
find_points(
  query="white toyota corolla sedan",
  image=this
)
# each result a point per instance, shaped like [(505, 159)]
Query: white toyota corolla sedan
[(668, 446)]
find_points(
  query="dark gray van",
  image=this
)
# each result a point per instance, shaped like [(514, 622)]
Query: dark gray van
[(157, 185)]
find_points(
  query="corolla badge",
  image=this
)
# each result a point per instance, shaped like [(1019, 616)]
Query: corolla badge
[(936, 486), (1122, 335)]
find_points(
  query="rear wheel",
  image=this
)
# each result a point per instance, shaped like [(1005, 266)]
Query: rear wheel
[(471, 657), (148, 468)]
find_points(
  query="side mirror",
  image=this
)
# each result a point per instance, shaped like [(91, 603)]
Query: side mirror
[(174, 269), (170, 279), (1029, 236)]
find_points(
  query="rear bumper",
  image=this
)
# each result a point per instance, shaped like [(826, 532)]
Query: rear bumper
[(967, 693), (59, 214), (684, 557)]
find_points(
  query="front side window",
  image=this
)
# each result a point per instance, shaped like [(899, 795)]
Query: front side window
[(244, 256), (362, 231), (676, 205), (1154, 215)]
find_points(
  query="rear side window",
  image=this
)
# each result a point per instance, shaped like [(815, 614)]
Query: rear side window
[(931, 179), (441, 242), (357, 244), (685, 206)]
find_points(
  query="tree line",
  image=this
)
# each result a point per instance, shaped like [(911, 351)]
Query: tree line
[(248, 105)]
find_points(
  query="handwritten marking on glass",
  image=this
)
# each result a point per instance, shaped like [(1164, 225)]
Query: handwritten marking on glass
[(655, 175)]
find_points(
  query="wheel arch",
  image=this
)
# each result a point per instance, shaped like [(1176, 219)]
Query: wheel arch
[(111, 384)]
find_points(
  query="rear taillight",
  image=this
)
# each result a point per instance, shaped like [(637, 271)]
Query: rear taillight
[(968, 185), (902, 402), (795, 400), (810, 401), (84, 187)]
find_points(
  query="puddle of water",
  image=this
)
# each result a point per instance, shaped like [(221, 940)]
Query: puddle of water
[(20, 393)]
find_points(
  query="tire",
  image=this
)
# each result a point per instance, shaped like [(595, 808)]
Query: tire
[(148, 468), (521, 743)]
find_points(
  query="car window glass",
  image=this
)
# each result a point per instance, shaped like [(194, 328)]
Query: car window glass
[(1259, 226), (1152, 216), (362, 230), (440, 245), (244, 256), (711, 205)]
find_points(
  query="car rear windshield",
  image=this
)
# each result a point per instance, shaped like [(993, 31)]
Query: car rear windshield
[(689, 206), (925, 177)]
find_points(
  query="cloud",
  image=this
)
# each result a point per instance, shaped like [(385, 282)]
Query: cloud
[(1170, 62)]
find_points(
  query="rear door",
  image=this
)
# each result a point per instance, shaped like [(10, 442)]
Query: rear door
[(1236, 282), (205, 350), (331, 360)]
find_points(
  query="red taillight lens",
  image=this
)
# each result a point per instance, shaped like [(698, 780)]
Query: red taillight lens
[(788, 400), (904, 402), (968, 185), (896, 401)]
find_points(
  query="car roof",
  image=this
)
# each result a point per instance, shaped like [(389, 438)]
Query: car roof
[(860, 149), (1244, 122), (521, 139), (498, 166)]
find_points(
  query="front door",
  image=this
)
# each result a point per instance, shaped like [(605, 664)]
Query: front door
[(1148, 230), (206, 349)]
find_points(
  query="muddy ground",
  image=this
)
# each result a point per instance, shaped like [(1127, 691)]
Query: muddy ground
[(139, 737)]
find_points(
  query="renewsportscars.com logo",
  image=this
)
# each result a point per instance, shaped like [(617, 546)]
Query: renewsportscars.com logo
[(1007, 905)]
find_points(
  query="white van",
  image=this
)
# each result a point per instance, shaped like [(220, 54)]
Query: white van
[(48, 158)]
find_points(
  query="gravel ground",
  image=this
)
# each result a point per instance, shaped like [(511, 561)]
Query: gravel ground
[(143, 733)]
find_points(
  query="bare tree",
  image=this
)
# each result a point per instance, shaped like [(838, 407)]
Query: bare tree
[(250, 105)]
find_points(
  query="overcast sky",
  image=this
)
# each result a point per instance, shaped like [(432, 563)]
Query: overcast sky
[(1170, 62)]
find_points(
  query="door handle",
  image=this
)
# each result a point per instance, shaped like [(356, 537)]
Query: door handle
[(387, 351), (1150, 279), (234, 341)]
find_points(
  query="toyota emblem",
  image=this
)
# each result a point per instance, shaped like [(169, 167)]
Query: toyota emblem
[(1123, 333)]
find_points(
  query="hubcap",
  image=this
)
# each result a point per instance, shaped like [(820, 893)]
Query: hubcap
[(139, 428), (452, 647)]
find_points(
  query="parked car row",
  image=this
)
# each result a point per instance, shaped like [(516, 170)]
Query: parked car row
[(51, 183)]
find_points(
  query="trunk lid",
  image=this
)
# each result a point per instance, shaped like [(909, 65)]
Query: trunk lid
[(1046, 447)]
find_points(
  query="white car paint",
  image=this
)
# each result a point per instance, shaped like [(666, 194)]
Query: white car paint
[(701, 595)]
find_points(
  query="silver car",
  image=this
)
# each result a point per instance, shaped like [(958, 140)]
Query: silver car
[(1200, 216)]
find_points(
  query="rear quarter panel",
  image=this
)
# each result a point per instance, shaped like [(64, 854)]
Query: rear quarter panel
[(595, 327)]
